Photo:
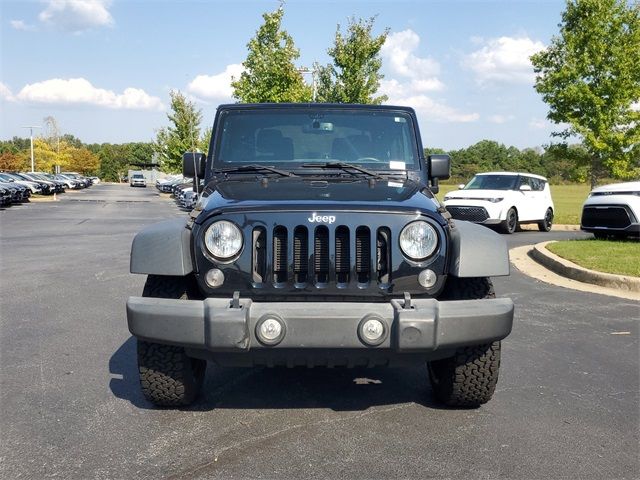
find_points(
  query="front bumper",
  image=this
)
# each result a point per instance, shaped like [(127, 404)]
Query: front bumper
[(217, 325)]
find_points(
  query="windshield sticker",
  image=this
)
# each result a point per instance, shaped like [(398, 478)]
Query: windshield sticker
[(394, 184), (395, 165)]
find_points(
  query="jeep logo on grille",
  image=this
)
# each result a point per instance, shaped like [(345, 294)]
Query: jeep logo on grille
[(315, 218)]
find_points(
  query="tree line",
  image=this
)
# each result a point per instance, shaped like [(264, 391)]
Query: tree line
[(108, 161), (112, 161)]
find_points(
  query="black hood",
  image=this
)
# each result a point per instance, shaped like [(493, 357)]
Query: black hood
[(299, 193)]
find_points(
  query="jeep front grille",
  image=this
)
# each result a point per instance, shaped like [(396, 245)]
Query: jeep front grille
[(339, 256), (472, 214)]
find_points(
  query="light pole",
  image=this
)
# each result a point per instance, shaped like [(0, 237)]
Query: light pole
[(31, 127)]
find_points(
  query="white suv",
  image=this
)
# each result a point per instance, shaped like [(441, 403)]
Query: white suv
[(505, 199), (612, 210), (137, 180)]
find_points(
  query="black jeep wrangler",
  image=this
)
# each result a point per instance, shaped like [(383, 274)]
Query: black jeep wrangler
[(317, 241)]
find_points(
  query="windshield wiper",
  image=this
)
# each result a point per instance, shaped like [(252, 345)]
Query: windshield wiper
[(255, 168), (343, 166)]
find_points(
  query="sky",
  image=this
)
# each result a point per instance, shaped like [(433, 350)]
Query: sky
[(104, 69)]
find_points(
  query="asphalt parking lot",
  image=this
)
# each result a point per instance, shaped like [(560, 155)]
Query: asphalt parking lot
[(566, 406)]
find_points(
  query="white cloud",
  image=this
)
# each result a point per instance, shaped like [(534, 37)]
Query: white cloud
[(410, 77), (5, 92), (76, 16), (79, 91), (539, 124), (215, 86), (21, 25), (500, 119), (398, 56), (504, 59), (430, 109), (426, 85)]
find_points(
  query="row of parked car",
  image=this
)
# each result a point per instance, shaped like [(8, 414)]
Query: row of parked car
[(181, 189), (508, 199), (18, 187)]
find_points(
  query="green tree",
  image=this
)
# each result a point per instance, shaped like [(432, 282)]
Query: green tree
[(72, 140), (590, 78), (182, 135), (139, 152), (354, 76), (205, 139), (269, 72), (566, 163), (114, 162), (15, 145)]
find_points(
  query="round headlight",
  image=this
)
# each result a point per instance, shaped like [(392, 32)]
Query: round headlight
[(223, 239), (418, 240)]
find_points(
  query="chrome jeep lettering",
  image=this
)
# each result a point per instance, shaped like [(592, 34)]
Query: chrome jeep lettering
[(315, 218)]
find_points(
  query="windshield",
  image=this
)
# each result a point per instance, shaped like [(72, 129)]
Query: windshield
[(289, 138), (137, 175), (492, 182)]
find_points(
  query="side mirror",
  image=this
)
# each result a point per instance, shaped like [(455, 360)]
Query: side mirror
[(193, 164), (460, 186), (525, 188), (439, 166)]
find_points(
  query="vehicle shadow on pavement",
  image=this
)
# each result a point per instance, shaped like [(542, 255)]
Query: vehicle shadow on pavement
[(340, 389)]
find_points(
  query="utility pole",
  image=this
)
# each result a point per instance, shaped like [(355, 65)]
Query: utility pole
[(31, 127), (312, 72)]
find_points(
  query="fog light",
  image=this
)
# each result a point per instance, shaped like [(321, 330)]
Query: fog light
[(372, 331), (270, 330), (214, 278), (427, 278)]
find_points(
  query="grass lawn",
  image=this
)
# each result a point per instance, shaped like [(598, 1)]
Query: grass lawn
[(610, 256), (568, 200)]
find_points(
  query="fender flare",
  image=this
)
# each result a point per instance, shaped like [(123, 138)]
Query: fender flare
[(162, 249), (477, 251)]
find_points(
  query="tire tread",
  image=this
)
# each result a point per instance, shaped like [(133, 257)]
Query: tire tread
[(168, 377), (469, 377)]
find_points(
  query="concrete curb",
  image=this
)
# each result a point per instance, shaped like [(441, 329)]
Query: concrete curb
[(554, 228), (43, 199), (566, 228), (570, 270)]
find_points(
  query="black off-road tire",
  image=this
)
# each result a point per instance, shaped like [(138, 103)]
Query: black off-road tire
[(547, 222), (168, 377), (165, 286), (510, 225), (469, 377)]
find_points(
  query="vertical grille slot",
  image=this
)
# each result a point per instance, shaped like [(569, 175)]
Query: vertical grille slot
[(321, 254), (383, 255), (259, 258), (300, 254), (280, 254), (363, 254), (342, 254)]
